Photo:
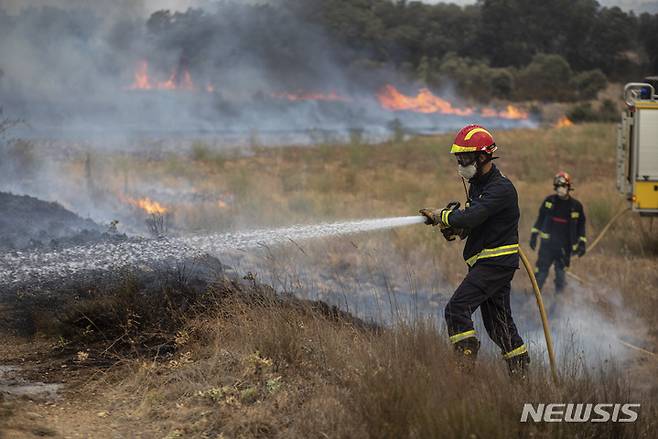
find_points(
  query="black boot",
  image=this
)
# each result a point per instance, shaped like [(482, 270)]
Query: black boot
[(518, 366), (467, 353)]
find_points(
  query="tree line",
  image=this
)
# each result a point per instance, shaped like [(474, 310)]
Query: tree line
[(512, 49)]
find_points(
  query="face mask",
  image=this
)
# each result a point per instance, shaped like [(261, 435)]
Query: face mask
[(562, 191), (467, 172)]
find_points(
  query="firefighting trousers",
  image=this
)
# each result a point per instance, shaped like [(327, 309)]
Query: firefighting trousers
[(556, 257), (486, 287)]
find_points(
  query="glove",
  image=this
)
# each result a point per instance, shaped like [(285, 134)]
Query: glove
[(581, 249), (449, 233), (533, 240), (432, 216)]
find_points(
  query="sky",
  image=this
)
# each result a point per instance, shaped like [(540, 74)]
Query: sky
[(636, 5), (146, 6)]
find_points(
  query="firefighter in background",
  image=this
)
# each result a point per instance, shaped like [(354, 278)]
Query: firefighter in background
[(561, 227), (489, 223)]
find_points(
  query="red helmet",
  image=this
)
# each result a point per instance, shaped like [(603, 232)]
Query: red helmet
[(473, 138), (561, 179)]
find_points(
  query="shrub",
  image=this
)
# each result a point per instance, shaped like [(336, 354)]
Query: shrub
[(585, 112), (501, 83), (547, 78), (588, 84)]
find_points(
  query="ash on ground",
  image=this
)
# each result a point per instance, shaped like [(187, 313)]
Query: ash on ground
[(27, 223)]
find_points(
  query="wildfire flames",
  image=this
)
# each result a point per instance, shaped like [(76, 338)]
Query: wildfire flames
[(563, 122), (142, 80), (146, 204), (426, 102), (389, 97)]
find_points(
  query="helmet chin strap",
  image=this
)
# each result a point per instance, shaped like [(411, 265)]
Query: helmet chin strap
[(479, 164)]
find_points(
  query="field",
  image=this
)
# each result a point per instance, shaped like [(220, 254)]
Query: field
[(238, 360)]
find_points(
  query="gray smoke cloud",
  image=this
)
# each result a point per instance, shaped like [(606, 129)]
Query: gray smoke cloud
[(78, 68), (97, 77), (107, 68)]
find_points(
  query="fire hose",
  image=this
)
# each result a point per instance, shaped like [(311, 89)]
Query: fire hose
[(542, 314), (598, 239)]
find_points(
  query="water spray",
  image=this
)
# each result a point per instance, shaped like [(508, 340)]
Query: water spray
[(35, 265), (22, 266)]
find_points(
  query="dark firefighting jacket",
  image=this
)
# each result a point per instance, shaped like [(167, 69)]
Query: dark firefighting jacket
[(576, 222), (491, 220)]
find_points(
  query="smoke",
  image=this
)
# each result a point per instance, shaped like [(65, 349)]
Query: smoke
[(70, 70), (105, 70), (589, 324)]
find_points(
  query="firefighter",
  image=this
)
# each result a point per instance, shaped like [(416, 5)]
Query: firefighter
[(489, 223), (561, 227)]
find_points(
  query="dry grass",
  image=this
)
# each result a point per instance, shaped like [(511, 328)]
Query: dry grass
[(280, 186), (268, 369), (273, 370)]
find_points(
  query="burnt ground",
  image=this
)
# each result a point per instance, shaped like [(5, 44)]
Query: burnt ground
[(62, 340), (29, 223)]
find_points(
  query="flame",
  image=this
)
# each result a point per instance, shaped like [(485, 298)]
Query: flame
[(511, 112), (142, 81), (310, 96), (151, 207), (563, 122), (425, 102), (146, 204)]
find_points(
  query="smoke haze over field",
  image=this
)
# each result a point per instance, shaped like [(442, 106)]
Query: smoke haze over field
[(230, 67)]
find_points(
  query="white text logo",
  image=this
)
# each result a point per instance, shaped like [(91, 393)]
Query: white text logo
[(580, 412)]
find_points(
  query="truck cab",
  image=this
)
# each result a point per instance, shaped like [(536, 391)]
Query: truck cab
[(637, 147)]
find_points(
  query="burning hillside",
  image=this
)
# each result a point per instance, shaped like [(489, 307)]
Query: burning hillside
[(388, 97), (211, 73)]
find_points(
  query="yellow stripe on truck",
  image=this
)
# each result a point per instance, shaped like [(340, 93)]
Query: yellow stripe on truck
[(646, 105)]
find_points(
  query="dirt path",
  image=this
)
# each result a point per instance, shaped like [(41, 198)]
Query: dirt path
[(44, 393)]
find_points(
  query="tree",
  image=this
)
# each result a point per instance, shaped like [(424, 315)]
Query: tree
[(501, 82), (648, 37), (588, 84), (546, 78)]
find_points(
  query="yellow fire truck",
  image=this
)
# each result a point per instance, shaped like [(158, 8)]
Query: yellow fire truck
[(637, 147)]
